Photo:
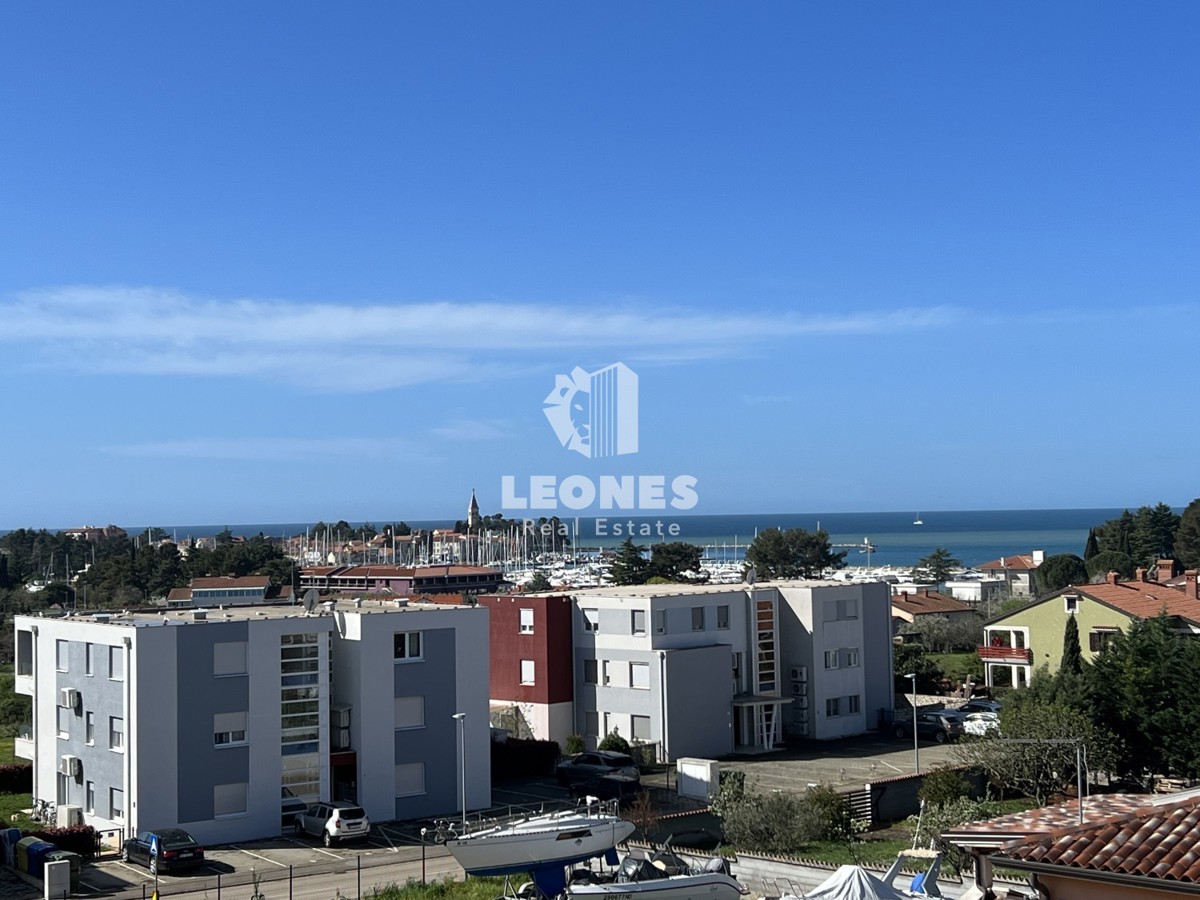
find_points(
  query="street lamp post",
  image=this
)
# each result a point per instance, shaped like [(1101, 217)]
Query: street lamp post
[(462, 763), (916, 746)]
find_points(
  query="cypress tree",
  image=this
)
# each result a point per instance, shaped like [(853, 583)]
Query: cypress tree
[(1092, 547), (1072, 657)]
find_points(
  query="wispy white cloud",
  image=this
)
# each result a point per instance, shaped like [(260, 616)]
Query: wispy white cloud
[(274, 449), (364, 347)]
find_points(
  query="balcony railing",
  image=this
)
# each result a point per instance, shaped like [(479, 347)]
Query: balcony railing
[(1006, 654)]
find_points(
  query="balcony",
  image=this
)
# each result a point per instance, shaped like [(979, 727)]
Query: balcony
[(23, 742), (1006, 655)]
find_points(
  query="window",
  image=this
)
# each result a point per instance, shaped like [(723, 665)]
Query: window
[(851, 658), (722, 616), (640, 728), (90, 726), (589, 671), (526, 623), (833, 707), (527, 671), (410, 779), (229, 728), (852, 704), (1100, 638), (1071, 603), (838, 610), (90, 797), (89, 659), (407, 645), (697, 618), (229, 799), (591, 619), (637, 623), (410, 712), (64, 722), (591, 724), (60, 655), (229, 658), (607, 679), (116, 804), (639, 675), (831, 659), (660, 621), (116, 663), (116, 733)]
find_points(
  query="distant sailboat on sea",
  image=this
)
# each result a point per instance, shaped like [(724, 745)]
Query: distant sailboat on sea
[(917, 520)]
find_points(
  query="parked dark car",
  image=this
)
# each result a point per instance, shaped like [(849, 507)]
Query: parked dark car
[(597, 764), (980, 705), (607, 787), (938, 726), (176, 850)]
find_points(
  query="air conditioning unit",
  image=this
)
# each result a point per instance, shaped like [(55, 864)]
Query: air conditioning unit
[(68, 697), (799, 673), (339, 716), (802, 729), (800, 688), (70, 765), (802, 702), (69, 816)]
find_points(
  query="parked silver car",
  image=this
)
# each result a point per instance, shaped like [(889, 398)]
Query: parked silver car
[(334, 822)]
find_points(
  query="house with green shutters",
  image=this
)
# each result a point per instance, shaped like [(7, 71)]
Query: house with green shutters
[(1021, 642)]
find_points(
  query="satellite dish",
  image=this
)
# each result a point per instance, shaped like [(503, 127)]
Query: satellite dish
[(751, 575), (311, 599)]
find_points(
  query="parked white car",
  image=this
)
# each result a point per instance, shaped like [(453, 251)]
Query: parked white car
[(981, 723), (333, 822)]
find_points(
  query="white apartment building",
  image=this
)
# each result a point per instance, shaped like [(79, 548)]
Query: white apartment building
[(705, 670), (203, 718)]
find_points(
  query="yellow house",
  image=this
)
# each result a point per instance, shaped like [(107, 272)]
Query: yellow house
[(1018, 643)]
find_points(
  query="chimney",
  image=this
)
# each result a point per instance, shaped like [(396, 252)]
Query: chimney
[(1166, 570), (1140, 574), (1039, 557), (1112, 577), (1190, 587)]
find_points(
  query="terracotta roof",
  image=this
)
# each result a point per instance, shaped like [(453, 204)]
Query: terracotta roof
[(1142, 599), (184, 593), (1018, 561), (928, 602), (1044, 820), (232, 581), (1155, 842)]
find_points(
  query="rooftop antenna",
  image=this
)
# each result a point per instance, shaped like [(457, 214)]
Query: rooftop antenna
[(311, 599)]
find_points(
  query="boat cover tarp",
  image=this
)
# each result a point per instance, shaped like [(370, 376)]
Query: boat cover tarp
[(853, 883)]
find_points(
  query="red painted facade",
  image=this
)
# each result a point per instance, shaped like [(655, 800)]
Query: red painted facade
[(548, 645)]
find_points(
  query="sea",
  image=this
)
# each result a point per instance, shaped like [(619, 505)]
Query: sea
[(869, 539)]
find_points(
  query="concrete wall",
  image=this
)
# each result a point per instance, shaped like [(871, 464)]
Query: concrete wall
[(696, 727)]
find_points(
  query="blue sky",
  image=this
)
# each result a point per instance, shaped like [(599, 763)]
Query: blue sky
[(278, 262)]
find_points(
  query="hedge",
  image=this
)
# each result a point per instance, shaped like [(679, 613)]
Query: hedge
[(79, 839), (521, 759), (16, 778)]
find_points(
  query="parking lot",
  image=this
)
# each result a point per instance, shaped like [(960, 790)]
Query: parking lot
[(848, 763)]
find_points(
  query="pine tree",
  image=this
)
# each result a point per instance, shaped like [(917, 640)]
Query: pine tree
[(630, 567), (1092, 547), (1187, 536)]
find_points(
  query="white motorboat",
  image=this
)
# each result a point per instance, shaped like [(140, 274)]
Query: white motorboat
[(538, 842), (661, 875)]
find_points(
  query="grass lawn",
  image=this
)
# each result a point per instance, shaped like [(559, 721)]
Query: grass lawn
[(12, 805), (956, 666), (6, 751)]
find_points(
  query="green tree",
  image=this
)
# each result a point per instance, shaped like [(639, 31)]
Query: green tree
[(539, 582), (1059, 571), (614, 741), (630, 566), (1110, 561), (1187, 536), (1138, 689), (795, 553), (676, 562), (1072, 656), (937, 567), (1092, 546)]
